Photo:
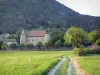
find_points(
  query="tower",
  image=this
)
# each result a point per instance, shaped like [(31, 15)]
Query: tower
[(23, 37), (47, 37)]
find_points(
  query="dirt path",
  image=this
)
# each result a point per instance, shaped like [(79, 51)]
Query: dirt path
[(78, 69)]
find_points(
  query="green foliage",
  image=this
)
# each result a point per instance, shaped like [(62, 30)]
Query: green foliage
[(39, 44), (56, 34), (67, 44), (30, 45), (93, 36), (13, 46), (1, 42), (75, 36), (48, 43), (58, 44), (22, 46), (4, 46), (80, 51), (98, 42)]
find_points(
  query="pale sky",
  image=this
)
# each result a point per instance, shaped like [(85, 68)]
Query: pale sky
[(88, 7)]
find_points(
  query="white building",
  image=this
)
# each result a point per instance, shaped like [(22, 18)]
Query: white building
[(34, 36), (10, 41)]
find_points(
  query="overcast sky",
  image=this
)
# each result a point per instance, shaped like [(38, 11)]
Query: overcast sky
[(90, 7)]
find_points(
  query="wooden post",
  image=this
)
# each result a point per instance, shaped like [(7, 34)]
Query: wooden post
[(31, 64)]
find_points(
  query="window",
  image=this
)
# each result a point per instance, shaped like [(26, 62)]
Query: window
[(33, 40)]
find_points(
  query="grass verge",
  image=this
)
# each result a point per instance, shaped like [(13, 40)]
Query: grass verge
[(91, 64)]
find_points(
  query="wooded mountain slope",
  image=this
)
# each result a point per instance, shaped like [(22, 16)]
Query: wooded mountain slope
[(30, 14)]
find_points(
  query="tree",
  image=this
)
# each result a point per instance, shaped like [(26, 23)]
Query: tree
[(13, 46), (4, 46), (93, 36), (59, 34), (22, 46), (1, 42), (48, 43), (98, 42), (57, 44), (39, 44), (30, 45), (76, 36), (67, 44)]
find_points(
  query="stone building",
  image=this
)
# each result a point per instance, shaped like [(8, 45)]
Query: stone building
[(34, 36)]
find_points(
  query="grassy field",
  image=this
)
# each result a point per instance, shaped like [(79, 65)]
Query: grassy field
[(91, 64), (18, 63)]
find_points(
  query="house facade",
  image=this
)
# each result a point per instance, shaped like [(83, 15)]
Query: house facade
[(34, 36)]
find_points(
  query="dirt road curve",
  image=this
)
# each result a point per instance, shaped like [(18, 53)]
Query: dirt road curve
[(78, 69)]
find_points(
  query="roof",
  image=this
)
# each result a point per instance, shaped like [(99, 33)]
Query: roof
[(9, 40), (37, 33)]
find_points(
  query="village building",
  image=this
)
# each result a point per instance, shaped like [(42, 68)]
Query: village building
[(4, 39), (10, 41), (34, 36)]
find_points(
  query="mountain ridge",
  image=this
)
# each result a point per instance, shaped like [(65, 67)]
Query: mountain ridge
[(29, 14)]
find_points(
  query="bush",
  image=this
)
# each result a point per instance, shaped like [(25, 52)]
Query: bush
[(95, 50), (67, 44), (1, 42), (39, 44), (98, 42), (48, 43), (93, 36), (22, 46), (4, 46), (30, 45), (82, 51), (13, 46), (58, 44)]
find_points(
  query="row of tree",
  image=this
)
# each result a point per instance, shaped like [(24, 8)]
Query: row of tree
[(79, 38), (38, 45), (74, 37)]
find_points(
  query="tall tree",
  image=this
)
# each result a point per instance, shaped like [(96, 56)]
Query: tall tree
[(39, 44), (94, 36), (4, 46), (76, 36), (57, 44)]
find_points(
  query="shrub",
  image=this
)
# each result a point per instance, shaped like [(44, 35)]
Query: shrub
[(48, 43), (39, 44), (13, 46), (1, 42), (93, 36), (22, 46), (98, 42), (67, 44), (58, 44), (4, 46), (82, 51), (30, 45)]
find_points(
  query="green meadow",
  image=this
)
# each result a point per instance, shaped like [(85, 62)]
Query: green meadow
[(29, 63), (91, 64)]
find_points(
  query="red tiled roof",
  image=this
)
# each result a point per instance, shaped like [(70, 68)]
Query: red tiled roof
[(37, 33)]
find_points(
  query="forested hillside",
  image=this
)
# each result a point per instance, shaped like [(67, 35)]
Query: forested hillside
[(31, 14)]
